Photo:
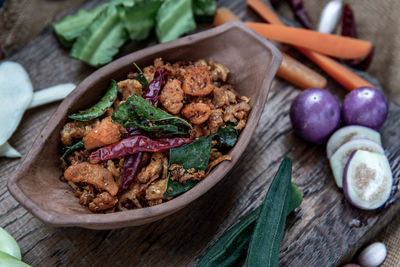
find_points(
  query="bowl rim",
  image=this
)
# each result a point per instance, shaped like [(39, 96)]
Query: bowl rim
[(100, 221)]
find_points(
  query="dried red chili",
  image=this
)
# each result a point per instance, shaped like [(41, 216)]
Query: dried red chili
[(152, 91), (349, 30), (300, 13), (136, 144), (132, 164)]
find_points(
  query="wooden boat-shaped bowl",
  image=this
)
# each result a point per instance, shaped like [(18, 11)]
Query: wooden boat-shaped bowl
[(253, 62)]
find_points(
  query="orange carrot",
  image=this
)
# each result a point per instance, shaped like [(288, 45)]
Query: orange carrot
[(299, 74), (329, 44), (264, 11), (341, 74), (223, 15), (291, 70)]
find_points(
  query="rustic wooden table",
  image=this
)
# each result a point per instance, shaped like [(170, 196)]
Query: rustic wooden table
[(325, 231)]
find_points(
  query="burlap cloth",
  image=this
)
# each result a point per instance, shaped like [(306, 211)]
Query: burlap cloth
[(377, 21)]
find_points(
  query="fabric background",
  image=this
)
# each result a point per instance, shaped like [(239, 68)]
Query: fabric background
[(377, 21)]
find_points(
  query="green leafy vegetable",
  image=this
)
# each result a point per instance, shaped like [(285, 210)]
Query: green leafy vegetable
[(141, 78), (101, 40), (71, 27), (204, 10), (139, 20), (174, 18), (227, 136), (194, 155), (9, 261), (268, 232), (69, 150), (9, 245), (136, 111), (232, 244), (100, 108), (175, 188)]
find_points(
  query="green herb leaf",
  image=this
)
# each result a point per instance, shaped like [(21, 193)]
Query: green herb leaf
[(174, 18), (71, 27), (140, 113), (101, 40), (232, 244), (70, 149), (175, 188), (141, 78), (195, 155), (227, 136), (139, 20), (204, 10), (295, 198), (268, 232), (100, 108)]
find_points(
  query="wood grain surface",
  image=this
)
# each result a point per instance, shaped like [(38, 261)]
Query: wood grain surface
[(325, 231)]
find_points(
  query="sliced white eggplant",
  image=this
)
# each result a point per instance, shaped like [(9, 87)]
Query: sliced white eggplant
[(367, 180), (6, 150), (16, 95), (347, 133), (341, 156), (51, 94)]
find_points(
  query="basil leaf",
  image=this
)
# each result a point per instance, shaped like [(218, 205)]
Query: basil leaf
[(194, 155), (227, 136), (174, 18), (101, 40), (175, 188), (139, 20), (100, 108), (204, 10), (136, 110), (70, 149), (141, 78)]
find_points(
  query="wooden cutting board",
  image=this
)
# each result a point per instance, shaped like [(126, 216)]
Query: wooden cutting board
[(325, 231)]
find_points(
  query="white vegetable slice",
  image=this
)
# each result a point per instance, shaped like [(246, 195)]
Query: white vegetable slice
[(6, 150), (9, 245), (348, 133), (51, 94), (16, 95), (341, 156), (367, 180)]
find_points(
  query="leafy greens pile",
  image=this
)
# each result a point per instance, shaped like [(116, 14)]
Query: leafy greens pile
[(95, 36)]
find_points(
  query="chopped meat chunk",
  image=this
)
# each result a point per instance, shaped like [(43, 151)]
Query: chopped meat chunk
[(149, 73), (107, 132), (87, 195), (238, 111), (196, 132), (215, 121), (156, 189), (171, 96), (177, 172), (103, 201), (197, 81), (197, 113), (76, 129), (129, 87), (130, 198), (218, 72), (93, 174), (223, 96), (217, 161), (153, 170), (241, 124)]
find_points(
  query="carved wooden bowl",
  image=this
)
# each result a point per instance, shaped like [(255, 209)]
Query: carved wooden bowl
[(253, 62)]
